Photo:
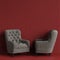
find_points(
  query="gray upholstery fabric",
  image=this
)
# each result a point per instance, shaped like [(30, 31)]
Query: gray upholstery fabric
[(46, 46), (15, 43)]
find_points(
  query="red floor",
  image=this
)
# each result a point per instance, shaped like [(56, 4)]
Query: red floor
[(24, 57)]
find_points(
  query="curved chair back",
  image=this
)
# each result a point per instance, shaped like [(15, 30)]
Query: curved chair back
[(52, 39)]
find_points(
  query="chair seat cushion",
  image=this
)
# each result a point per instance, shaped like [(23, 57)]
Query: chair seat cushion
[(21, 45)]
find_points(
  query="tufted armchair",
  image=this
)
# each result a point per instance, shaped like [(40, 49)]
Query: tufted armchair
[(46, 46), (15, 43)]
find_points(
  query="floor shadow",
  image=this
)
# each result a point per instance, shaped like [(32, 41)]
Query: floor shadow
[(2, 44)]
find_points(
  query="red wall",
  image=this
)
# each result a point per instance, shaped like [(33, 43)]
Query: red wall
[(33, 17)]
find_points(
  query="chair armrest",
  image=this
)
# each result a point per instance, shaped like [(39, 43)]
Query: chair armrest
[(41, 41), (25, 41), (9, 46)]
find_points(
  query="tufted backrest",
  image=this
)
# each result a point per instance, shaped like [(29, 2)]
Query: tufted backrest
[(13, 35)]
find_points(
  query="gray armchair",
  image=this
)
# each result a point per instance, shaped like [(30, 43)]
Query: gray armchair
[(46, 46), (15, 44)]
